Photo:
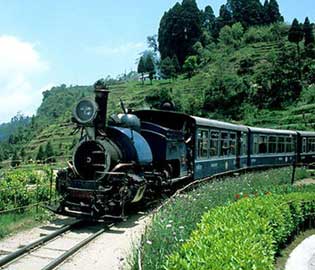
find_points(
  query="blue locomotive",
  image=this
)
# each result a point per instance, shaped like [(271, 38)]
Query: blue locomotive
[(142, 153)]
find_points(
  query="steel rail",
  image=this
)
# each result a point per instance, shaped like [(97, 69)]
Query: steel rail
[(20, 252), (56, 262)]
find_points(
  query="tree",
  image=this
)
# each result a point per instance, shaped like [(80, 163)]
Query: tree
[(180, 29), (15, 160), (153, 43), (1, 154), (232, 35), (265, 9), (296, 36), (225, 18), (49, 153), (176, 64), (141, 68), (190, 66), (308, 33), (272, 12), (208, 19), (167, 68), (22, 154), (40, 154), (150, 67), (247, 12)]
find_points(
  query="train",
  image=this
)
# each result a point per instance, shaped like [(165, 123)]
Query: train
[(136, 155)]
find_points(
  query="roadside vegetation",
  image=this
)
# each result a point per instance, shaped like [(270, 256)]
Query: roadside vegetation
[(16, 222), (244, 235), (173, 225), (23, 193), (20, 188)]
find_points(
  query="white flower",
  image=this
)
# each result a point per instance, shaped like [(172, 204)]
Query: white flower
[(168, 225), (149, 242)]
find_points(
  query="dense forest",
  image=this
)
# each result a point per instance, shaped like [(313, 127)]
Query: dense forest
[(245, 65)]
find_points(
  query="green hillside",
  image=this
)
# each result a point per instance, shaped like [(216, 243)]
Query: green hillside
[(237, 69)]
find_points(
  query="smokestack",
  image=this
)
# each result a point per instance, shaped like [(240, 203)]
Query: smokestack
[(101, 97)]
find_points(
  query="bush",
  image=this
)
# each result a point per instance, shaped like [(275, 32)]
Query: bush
[(22, 187), (265, 33), (232, 35), (244, 235), (175, 222)]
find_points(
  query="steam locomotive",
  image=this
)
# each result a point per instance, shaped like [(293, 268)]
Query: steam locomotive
[(143, 153)]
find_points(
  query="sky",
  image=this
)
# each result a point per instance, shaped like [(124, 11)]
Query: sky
[(44, 43)]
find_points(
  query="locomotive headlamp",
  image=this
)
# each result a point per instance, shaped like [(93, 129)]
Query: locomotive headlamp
[(85, 111)]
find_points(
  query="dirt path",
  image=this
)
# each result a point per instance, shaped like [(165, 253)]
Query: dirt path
[(307, 181), (110, 250)]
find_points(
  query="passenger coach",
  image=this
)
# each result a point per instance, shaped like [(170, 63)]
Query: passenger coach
[(272, 147), (219, 147), (306, 147)]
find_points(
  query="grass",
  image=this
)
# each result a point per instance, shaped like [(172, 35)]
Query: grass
[(16, 222), (173, 224)]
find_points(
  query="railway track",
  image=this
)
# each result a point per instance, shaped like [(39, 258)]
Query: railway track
[(52, 250)]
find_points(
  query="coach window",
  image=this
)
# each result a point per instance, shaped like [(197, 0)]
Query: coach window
[(272, 141), (203, 143), (262, 144), (289, 145), (233, 144), (214, 143), (255, 145), (304, 145), (244, 141), (311, 145), (225, 148), (281, 144)]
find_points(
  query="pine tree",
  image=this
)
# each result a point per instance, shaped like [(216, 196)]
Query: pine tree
[(22, 154), (296, 36), (225, 18), (15, 160), (208, 19), (141, 68), (253, 13), (273, 12), (308, 33), (180, 28), (49, 152), (40, 154), (167, 68), (149, 67), (1, 154), (176, 64), (265, 12)]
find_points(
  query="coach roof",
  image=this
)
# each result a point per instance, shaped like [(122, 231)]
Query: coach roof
[(218, 124), (272, 131)]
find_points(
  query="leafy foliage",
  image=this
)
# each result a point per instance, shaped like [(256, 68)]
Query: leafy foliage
[(173, 225), (190, 66), (16, 188), (246, 234), (168, 69), (180, 29)]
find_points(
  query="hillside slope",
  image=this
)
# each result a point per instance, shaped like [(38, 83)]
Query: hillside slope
[(232, 83)]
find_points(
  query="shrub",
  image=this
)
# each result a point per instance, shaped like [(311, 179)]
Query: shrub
[(175, 222), (22, 187), (232, 35), (244, 235)]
